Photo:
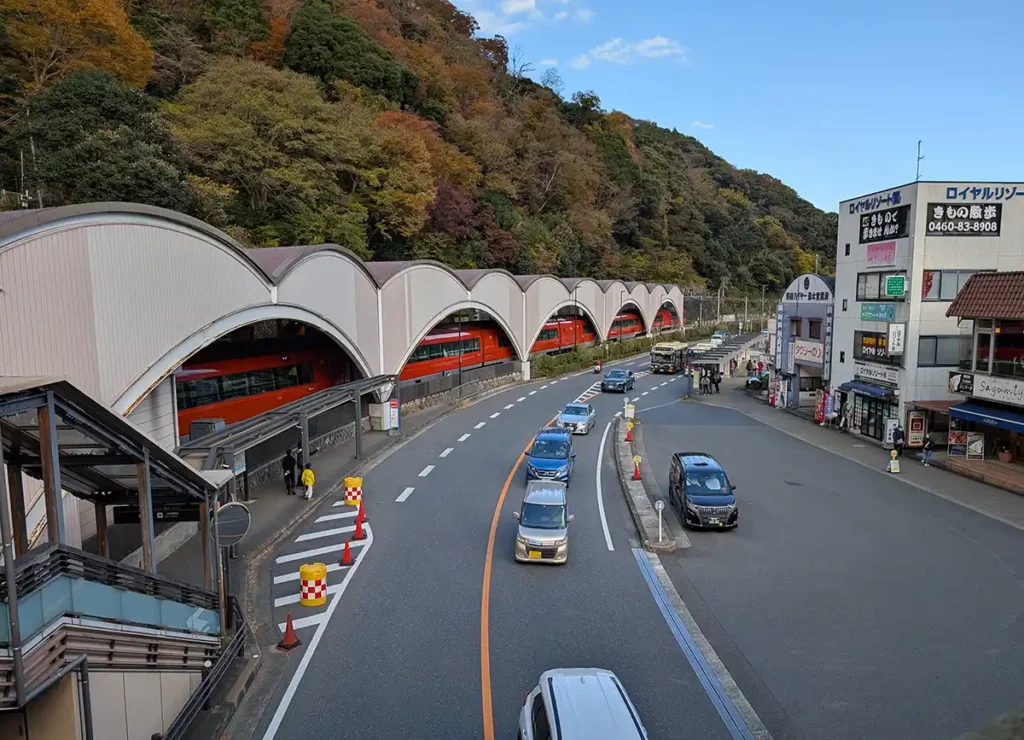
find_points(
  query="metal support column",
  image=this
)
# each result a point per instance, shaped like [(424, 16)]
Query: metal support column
[(359, 425), (222, 596), (306, 451), (146, 515), (16, 490), (7, 541), (101, 529), (50, 457), (204, 534)]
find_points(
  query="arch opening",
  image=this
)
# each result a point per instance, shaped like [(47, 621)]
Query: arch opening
[(257, 368), (628, 322), (466, 346), (666, 319), (569, 326)]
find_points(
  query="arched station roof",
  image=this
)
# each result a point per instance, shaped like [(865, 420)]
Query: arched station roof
[(115, 296)]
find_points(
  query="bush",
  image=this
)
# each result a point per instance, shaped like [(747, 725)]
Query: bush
[(582, 358)]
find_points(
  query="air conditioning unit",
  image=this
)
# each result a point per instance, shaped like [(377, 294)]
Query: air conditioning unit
[(203, 427)]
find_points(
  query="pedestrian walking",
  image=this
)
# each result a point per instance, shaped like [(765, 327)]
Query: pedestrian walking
[(929, 447), (716, 380), (705, 384), (288, 469), (899, 439), (750, 366), (760, 366), (308, 479)]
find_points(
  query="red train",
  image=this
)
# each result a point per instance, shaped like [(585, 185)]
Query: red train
[(562, 334), (626, 325), (664, 321)]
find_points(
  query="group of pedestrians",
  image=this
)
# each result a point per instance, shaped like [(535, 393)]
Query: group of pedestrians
[(709, 378), (307, 479), (899, 442)]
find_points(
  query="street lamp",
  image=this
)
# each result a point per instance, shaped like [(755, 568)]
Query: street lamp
[(458, 327), (622, 302), (763, 289), (576, 315)]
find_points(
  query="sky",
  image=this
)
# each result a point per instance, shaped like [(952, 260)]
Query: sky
[(829, 97)]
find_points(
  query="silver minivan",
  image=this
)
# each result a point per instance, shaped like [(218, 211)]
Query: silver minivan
[(543, 533), (579, 704)]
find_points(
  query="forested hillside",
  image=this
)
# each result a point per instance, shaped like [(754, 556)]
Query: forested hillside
[(386, 126)]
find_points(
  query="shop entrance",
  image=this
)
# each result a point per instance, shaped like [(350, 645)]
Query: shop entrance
[(869, 415)]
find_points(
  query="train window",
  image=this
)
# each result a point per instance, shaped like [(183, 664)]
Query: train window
[(286, 377), (472, 345), (503, 340), (234, 386), (306, 373), (261, 381)]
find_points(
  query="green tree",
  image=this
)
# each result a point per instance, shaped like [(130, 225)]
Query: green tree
[(97, 139), (323, 44)]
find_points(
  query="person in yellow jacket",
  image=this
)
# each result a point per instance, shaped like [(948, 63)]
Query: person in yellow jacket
[(308, 479)]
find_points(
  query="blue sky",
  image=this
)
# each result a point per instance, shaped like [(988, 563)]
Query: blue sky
[(829, 97)]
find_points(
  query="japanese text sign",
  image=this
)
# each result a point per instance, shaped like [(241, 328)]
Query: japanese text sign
[(976, 219), (873, 202), (1006, 191), (882, 254), (895, 285), (897, 338), (892, 223)]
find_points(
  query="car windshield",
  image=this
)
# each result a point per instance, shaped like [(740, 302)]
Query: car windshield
[(617, 375), (543, 516), (707, 484), (550, 449), (575, 411)]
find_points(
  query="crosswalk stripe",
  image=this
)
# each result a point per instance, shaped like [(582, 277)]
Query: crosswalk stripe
[(311, 621), (331, 567), (294, 598), (324, 533), (333, 517), (305, 554)]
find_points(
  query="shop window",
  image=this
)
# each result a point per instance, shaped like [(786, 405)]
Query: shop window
[(873, 347), (871, 287), (943, 351), (1008, 355), (814, 329), (982, 352), (794, 328), (943, 285), (810, 384)]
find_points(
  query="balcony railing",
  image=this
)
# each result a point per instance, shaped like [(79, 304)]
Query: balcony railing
[(1000, 368)]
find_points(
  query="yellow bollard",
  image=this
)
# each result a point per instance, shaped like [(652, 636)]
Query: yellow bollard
[(313, 577), (353, 491)]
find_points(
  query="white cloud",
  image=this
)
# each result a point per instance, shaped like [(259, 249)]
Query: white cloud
[(492, 24), (561, 15), (701, 124), (548, 62), (511, 7), (618, 51), (584, 15)]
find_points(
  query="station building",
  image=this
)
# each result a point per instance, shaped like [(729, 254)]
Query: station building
[(803, 333), (902, 256)]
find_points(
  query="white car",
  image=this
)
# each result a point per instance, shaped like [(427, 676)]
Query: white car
[(579, 704)]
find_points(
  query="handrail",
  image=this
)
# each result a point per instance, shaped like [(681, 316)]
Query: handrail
[(199, 700), (35, 570)]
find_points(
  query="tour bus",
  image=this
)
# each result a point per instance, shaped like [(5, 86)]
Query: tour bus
[(668, 357)]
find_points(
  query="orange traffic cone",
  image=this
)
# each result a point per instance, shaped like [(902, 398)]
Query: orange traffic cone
[(636, 471), (346, 556), (361, 516), (290, 641), (629, 432), (359, 533)]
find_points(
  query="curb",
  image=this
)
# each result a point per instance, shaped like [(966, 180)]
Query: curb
[(645, 518), (682, 540)]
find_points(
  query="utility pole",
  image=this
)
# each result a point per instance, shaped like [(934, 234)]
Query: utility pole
[(920, 156), (763, 289), (746, 321), (817, 264), (719, 309)]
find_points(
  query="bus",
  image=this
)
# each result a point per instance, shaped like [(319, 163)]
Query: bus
[(668, 357)]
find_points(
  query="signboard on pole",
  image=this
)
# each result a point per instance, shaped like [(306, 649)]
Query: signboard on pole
[(395, 425)]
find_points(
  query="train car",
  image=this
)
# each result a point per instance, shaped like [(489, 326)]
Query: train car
[(626, 326), (561, 335), (664, 321), (439, 351), (240, 388)]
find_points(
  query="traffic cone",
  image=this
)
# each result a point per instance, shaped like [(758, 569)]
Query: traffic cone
[(359, 533), (346, 556), (636, 471), (290, 641), (361, 516), (629, 433)]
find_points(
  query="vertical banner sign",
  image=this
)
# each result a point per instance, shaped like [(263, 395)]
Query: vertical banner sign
[(396, 422), (826, 368), (897, 338), (915, 429), (780, 317), (819, 406)]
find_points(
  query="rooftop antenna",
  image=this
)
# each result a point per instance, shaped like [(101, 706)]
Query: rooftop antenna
[(920, 156)]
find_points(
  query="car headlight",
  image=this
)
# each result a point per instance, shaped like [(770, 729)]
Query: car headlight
[(692, 507), (520, 540), (564, 469), (560, 543)]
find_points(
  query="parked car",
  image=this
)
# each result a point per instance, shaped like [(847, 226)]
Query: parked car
[(579, 704), (618, 380), (579, 418), (551, 456), (543, 532), (700, 491)]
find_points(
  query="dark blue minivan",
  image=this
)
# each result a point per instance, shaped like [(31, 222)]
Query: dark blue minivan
[(700, 491), (551, 456)]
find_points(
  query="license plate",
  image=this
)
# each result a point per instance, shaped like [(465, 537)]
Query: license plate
[(714, 520), (533, 554)]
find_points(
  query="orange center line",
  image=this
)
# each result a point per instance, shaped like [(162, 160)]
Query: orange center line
[(485, 603)]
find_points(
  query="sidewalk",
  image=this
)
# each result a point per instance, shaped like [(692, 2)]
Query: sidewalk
[(985, 499)]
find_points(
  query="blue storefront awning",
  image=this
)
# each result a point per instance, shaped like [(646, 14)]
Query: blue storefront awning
[(866, 388), (993, 416)]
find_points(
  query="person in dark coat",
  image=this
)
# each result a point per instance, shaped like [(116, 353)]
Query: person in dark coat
[(929, 447), (899, 439), (288, 468)]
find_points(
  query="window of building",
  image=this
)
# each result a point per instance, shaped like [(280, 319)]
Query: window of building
[(982, 351), (847, 250), (940, 351), (814, 329), (794, 328), (871, 287), (844, 304), (1008, 353), (809, 384), (842, 356), (873, 347), (943, 285)]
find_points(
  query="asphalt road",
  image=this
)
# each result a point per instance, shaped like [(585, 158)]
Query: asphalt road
[(847, 604), (401, 655)]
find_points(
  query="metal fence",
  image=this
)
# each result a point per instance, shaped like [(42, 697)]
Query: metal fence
[(412, 390)]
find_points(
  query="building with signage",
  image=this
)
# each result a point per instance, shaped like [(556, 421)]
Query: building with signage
[(902, 256), (803, 333)]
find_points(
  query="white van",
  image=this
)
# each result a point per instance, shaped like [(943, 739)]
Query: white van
[(579, 704)]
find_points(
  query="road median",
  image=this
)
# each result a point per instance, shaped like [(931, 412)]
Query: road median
[(641, 508)]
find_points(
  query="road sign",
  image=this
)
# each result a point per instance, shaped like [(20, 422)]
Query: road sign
[(630, 411), (659, 505), (636, 459), (233, 520), (895, 286)]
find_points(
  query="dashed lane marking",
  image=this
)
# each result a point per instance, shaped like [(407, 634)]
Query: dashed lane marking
[(673, 380), (553, 382), (464, 437), (618, 413), (663, 384), (324, 533), (335, 517), (447, 452), (543, 387), (496, 414), (520, 399), (509, 406), (404, 495), (532, 393), (426, 471), (480, 425), (645, 393)]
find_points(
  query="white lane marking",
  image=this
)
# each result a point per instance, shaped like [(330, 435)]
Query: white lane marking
[(404, 495), (543, 387), (324, 533), (600, 493), (331, 567), (673, 380), (480, 425), (509, 406), (303, 622), (618, 414), (553, 382), (464, 437), (334, 517), (426, 471), (496, 414), (313, 553), (532, 393), (447, 452), (307, 656), (645, 393), (663, 384), (520, 399), (294, 598), (630, 364)]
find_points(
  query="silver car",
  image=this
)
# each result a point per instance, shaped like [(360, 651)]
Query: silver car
[(579, 418), (543, 533)]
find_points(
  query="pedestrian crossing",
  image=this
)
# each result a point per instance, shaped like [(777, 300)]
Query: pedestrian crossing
[(321, 541)]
